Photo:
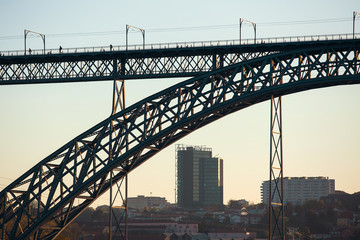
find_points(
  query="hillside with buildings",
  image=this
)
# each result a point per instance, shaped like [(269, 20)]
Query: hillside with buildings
[(336, 216)]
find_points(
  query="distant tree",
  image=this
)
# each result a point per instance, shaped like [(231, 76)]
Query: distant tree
[(305, 232), (356, 234), (235, 204), (331, 216), (313, 204), (99, 215), (314, 223), (86, 215), (262, 234), (71, 232)]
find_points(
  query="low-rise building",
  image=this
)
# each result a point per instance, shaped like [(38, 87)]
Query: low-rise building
[(231, 235), (141, 202), (245, 219), (345, 218), (298, 190), (181, 228), (185, 236)]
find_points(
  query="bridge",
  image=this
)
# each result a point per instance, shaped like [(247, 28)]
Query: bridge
[(223, 77)]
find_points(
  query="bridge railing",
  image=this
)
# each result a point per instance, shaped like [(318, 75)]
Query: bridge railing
[(181, 45)]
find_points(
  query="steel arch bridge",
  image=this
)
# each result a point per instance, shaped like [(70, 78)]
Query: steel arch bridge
[(63, 184)]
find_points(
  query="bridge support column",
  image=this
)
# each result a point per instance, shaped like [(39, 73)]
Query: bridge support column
[(118, 96), (2, 224), (276, 190), (118, 213)]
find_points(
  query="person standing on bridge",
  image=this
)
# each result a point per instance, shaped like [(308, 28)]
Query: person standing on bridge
[(60, 48)]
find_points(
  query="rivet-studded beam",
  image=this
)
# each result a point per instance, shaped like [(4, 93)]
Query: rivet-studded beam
[(45, 199), (136, 64)]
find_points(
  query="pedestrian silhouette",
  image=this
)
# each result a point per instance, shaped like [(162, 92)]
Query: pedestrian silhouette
[(60, 48)]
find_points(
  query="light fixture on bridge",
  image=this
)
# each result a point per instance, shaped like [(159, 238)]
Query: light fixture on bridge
[(247, 21), (140, 29), (26, 32), (355, 14)]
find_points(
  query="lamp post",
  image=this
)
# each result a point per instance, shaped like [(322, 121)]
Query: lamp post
[(127, 32), (26, 32), (247, 21), (355, 14)]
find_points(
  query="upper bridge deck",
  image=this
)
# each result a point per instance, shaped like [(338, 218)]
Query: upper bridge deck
[(197, 44), (164, 60)]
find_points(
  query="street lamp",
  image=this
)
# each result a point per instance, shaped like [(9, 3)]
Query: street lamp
[(26, 32), (127, 32), (355, 14), (247, 21)]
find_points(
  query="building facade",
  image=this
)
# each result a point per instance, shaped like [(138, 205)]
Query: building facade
[(199, 181), (298, 190), (141, 202)]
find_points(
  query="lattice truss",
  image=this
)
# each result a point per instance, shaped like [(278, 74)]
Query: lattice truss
[(185, 64), (120, 67), (49, 196), (55, 70), (276, 203)]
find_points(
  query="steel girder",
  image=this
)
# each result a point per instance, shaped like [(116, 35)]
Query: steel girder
[(45, 199), (119, 65), (137, 64)]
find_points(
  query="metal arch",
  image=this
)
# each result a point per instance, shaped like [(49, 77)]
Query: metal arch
[(49, 196)]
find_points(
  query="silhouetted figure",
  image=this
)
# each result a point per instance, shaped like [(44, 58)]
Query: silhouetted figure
[(30, 51), (60, 48), (111, 47)]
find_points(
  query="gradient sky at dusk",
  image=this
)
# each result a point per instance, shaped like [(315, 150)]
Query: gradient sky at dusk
[(321, 127)]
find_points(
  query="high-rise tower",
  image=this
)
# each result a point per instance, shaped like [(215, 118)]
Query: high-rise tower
[(199, 179)]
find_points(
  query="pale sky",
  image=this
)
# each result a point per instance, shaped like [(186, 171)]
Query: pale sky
[(321, 133)]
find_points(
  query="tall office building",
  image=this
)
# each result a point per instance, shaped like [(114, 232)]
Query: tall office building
[(199, 179), (298, 190)]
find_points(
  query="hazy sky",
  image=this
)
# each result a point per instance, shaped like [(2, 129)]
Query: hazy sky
[(321, 130)]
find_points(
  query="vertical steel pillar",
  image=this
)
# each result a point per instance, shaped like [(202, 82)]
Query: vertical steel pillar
[(276, 190), (122, 194), (240, 24), (117, 106), (3, 218), (26, 32), (127, 33), (111, 205), (118, 96), (355, 14)]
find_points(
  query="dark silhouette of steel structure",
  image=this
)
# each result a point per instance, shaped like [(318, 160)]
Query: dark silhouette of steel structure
[(224, 79)]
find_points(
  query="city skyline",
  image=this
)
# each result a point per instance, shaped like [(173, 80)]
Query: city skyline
[(321, 133)]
